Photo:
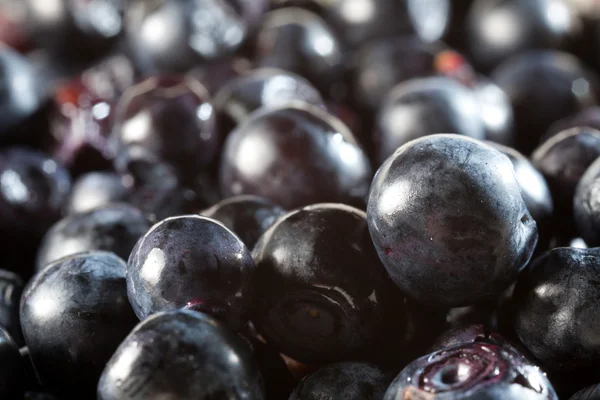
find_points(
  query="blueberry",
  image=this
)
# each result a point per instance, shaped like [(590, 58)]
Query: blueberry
[(192, 31), (472, 371), (12, 368), (543, 87), (297, 40), (268, 87), (497, 29), (74, 314), (95, 189), (191, 261), (344, 381), (295, 155), (324, 295), (423, 107), (586, 205), (554, 314), (181, 354), (448, 220), (147, 117), (247, 216), (114, 227)]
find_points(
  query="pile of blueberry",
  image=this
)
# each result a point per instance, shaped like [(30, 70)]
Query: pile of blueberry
[(299, 199)]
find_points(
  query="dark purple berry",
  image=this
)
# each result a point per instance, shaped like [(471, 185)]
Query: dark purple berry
[(194, 262), (449, 222), (165, 131), (295, 155), (181, 354), (323, 295), (555, 304), (74, 314)]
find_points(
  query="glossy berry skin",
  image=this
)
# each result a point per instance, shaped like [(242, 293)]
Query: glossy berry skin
[(11, 288), (297, 40), (535, 190), (588, 393), (86, 293), (247, 216), (383, 18), (559, 291), (20, 97), (382, 64), (181, 354), (75, 29), (149, 116), (95, 189), (472, 371), (424, 107), (563, 159), (498, 29), (12, 368), (448, 220), (586, 206), (543, 87), (191, 261), (324, 295), (267, 87), (294, 155), (193, 31), (344, 381), (33, 190), (114, 227)]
